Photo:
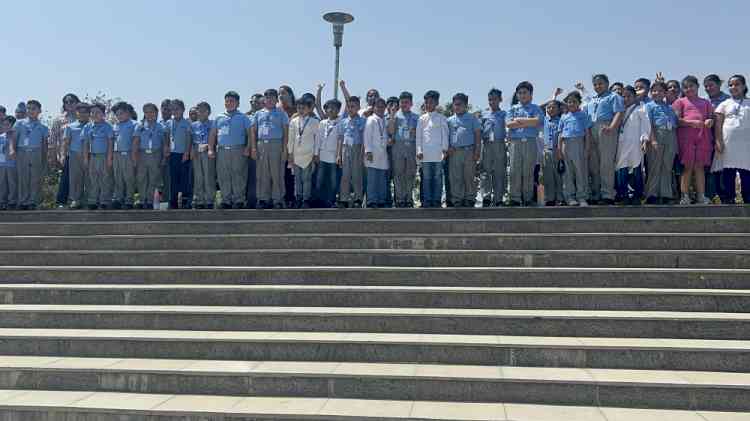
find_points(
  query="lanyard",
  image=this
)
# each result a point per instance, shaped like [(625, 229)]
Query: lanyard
[(329, 128), (302, 129), (381, 128)]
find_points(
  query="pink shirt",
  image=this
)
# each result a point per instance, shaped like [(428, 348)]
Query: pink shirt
[(694, 109)]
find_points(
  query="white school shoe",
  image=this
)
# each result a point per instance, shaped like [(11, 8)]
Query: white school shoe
[(704, 201), (685, 200), (573, 202), (583, 204)]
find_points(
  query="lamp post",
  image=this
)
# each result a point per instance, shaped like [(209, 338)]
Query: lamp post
[(337, 20)]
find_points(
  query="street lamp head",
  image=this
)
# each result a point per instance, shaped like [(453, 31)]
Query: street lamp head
[(338, 20)]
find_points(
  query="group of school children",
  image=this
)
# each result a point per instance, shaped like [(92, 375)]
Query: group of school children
[(289, 152)]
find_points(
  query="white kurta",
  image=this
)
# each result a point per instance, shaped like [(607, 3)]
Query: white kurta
[(635, 130), (302, 138), (376, 142), (736, 131)]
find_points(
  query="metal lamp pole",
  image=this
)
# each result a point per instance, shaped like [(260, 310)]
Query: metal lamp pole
[(337, 20)]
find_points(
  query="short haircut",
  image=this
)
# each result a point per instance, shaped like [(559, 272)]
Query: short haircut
[(713, 78), (307, 96), (150, 105), (166, 103), (179, 103), (553, 102), (379, 101), (100, 106), (630, 88), (353, 100), (644, 81), (374, 92), (462, 97), (406, 95), (495, 92), (34, 102), (392, 100), (602, 77), (3, 110), (659, 84), (256, 97), (205, 105), (307, 100), (616, 85), (121, 105), (690, 79), (573, 95), (271, 92), (232, 94), (335, 103), (525, 85), (83, 106), (432, 94), (69, 97)]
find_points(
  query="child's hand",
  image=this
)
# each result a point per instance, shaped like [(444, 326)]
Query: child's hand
[(185, 157), (697, 124), (660, 77), (109, 163), (316, 159), (579, 85), (477, 154), (719, 146), (342, 84), (253, 154), (134, 157), (708, 123), (212, 154), (558, 154), (391, 142), (607, 130), (12, 155), (450, 151), (557, 93), (339, 161), (247, 151), (321, 86), (369, 156)]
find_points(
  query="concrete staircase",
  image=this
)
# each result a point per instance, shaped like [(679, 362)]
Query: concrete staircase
[(602, 314)]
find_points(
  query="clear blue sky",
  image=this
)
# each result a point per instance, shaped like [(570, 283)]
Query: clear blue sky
[(147, 50)]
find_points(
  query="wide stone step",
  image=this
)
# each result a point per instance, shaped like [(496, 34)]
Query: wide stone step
[(689, 390), (631, 277), (727, 259), (382, 226), (487, 241), (579, 323), (644, 299), (530, 351), (20, 405)]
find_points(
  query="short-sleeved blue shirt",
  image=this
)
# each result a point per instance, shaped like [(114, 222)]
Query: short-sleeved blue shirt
[(352, 129), (602, 108), (232, 128), (124, 136), (73, 132), (271, 123), (98, 135), (406, 126), (30, 134), (551, 132), (661, 115), (461, 130), (493, 126), (151, 135), (4, 149), (200, 131), (179, 131), (575, 124), (525, 111)]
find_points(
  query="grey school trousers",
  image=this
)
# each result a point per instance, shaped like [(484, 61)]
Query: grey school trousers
[(148, 174), (303, 181), (29, 167), (576, 177), (99, 185), (553, 180), (602, 161), (659, 161), (231, 168), (204, 179), (523, 156), (8, 185), (404, 158), (461, 173), (270, 170), (124, 177), (77, 174), (352, 174), (494, 169)]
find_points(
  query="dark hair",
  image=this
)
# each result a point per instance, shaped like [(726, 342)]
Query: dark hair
[(335, 103), (690, 79), (557, 103), (378, 100), (575, 95), (34, 102), (600, 76), (289, 90), (461, 97), (712, 78), (373, 91), (644, 81), (619, 84), (232, 94), (630, 89), (274, 93), (742, 80), (3, 109), (166, 103), (659, 84), (354, 99), (83, 106), (523, 85), (204, 104), (131, 110), (392, 100), (256, 96), (118, 106), (68, 96), (406, 95), (432, 94), (495, 92), (307, 100), (674, 82), (179, 103), (150, 105), (100, 106)]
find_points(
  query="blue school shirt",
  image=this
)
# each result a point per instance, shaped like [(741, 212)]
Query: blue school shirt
[(232, 128), (352, 129), (201, 131), (551, 132), (604, 107), (525, 111), (30, 133), (124, 136), (575, 124), (461, 130), (661, 115), (4, 149), (98, 135), (493, 125), (73, 132), (178, 135), (271, 123), (151, 135), (406, 126)]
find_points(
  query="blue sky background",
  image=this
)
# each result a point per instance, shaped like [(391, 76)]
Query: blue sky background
[(146, 50)]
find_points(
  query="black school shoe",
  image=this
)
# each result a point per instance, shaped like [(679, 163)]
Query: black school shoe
[(128, 206), (238, 205), (116, 205), (226, 206), (357, 204)]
